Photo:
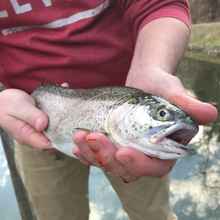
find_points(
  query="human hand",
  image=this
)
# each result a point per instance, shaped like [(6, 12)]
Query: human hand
[(128, 163), (22, 119), (161, 83)]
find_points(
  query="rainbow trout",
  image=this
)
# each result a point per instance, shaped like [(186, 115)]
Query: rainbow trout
[(128, 116)]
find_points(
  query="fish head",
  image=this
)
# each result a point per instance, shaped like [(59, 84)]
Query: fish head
[(152, 125)]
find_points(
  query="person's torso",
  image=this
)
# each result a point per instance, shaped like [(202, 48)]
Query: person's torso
[(84, 43)]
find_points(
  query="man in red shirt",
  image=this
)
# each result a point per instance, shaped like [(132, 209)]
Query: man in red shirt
[(89, 44)]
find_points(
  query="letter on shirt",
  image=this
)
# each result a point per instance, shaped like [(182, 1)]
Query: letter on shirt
[(3, 14), (20, 9), (47, 3)]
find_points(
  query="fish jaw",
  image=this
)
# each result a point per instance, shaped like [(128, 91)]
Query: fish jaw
[(160, 152), (166, 150), (166, 143), (185, 132)]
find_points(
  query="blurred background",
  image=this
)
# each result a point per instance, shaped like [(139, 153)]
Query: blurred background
[(204, 11), (195, 180)]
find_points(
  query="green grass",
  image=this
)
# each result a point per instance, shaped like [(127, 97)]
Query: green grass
[(206, 35), (205, 42)]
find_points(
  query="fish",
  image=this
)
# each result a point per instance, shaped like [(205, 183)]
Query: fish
[(128, 116)]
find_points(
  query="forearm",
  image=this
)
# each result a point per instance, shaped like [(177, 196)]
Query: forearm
[(159, 48)]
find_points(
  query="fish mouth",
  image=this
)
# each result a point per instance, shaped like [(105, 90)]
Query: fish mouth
[(175, 137)]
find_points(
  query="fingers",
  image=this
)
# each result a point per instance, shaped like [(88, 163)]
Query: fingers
[(82, 159), (84, 152), (97, 150), (22, 119), (127, 163), (105, 154), (24, 133), (202, 112), (29, 114), (141, 165), (102, 148), (157, 82), (20, 105)]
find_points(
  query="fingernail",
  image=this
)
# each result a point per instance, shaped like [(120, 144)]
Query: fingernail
[(65, 85), (45, 142), (40, 124), (92, 142)]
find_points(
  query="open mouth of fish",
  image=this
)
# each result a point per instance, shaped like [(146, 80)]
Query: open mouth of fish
[(174, 138)]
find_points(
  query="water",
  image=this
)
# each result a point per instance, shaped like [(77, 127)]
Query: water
[(195, 180), (195, 185), (8, 203)]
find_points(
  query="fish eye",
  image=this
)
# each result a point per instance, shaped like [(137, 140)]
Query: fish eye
[(163, 114)]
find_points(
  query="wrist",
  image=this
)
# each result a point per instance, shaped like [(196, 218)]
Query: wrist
[(157, 53), (144, 75)]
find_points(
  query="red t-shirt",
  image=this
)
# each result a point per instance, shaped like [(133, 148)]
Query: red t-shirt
[(86, 43)]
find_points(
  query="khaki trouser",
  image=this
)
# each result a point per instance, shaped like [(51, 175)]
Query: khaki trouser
[(58, 188)]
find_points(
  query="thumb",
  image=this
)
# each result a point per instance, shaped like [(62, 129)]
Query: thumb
[(30, 114), (173, 90), (161, 83), (202, 112)]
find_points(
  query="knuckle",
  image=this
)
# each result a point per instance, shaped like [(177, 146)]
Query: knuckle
[(176, 80)]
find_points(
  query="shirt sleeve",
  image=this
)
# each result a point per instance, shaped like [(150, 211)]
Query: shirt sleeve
[(140, 12)]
